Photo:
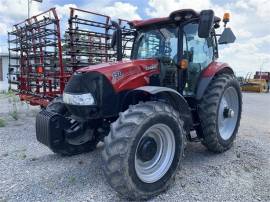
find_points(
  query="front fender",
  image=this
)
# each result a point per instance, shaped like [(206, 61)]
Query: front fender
[(175, 98), (208, 74)]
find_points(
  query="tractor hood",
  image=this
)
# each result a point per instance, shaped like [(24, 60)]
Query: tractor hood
[(125, 75), (106, 83)]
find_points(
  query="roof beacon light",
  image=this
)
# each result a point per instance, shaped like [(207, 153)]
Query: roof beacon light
[(226, 18)]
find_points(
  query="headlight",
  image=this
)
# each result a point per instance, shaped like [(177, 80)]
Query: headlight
[(79, 99)]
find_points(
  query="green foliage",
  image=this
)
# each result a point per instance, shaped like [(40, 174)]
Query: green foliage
[(2, 123), (72, 179), (14, 115), (14, 101), (14, 112), (23, 156), (9, 93)]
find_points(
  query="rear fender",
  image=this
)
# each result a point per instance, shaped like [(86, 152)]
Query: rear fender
[(169, 95), (208, 74)]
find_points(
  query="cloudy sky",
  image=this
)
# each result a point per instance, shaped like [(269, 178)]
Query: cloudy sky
[(250, 20)]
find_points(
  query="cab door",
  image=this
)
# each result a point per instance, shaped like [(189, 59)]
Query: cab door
[(160, 43), (199, 52)]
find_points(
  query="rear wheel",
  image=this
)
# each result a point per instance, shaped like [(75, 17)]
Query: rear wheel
[(71, 147), (220, 113), (143, 150)]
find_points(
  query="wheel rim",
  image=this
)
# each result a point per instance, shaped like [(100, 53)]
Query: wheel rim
[(228, 113), (150, 170)]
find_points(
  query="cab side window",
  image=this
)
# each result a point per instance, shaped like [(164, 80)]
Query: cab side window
[(149, 45), (198, 51)]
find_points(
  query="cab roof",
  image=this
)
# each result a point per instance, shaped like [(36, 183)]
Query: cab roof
[(183, 14)]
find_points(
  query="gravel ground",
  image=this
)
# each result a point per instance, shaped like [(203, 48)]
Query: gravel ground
[(29, 171)]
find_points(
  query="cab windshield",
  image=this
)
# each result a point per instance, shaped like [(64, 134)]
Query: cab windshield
[(156, 43)]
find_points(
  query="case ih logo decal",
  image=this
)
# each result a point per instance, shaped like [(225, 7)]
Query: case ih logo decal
[(151, 67)]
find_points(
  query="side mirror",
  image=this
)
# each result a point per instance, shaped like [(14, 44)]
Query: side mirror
[(227, 36), (206, 22)]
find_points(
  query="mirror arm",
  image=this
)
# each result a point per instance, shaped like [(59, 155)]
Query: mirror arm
[(215, 45), (118, 40)]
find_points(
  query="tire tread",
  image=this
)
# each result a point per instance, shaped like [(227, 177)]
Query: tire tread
[(116, 173)]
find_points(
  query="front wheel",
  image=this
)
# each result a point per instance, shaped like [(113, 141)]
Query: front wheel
[(143, 150), (220, 113)]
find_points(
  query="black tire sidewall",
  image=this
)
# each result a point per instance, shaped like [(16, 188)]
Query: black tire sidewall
[(67, 149), (232, 83), (178, 135)]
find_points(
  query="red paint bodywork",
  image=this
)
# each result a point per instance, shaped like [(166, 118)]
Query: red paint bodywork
[(213, 68), (134, 73)]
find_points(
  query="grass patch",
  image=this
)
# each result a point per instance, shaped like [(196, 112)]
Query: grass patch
[(23, 156), (2, 123), (72, 179), (14, 114), (14, 111), (8, 93)]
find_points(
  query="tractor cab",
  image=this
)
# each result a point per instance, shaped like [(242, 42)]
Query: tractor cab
[(185, 43)]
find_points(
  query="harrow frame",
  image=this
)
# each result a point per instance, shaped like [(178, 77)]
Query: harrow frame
[(41, 62)]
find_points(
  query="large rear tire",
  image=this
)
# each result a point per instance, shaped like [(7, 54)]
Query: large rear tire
[(143, 150), (67, 149), (220, 113)]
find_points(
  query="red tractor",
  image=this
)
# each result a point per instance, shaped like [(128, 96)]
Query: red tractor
[(144, 109)]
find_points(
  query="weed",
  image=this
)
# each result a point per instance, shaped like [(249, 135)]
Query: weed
[(14, 111), (72, 179), (10, 92), (23, 156), (7, 95), (14, 114), (2, 123)]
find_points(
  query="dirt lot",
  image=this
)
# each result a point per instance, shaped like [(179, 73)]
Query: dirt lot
[(31, 172)]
